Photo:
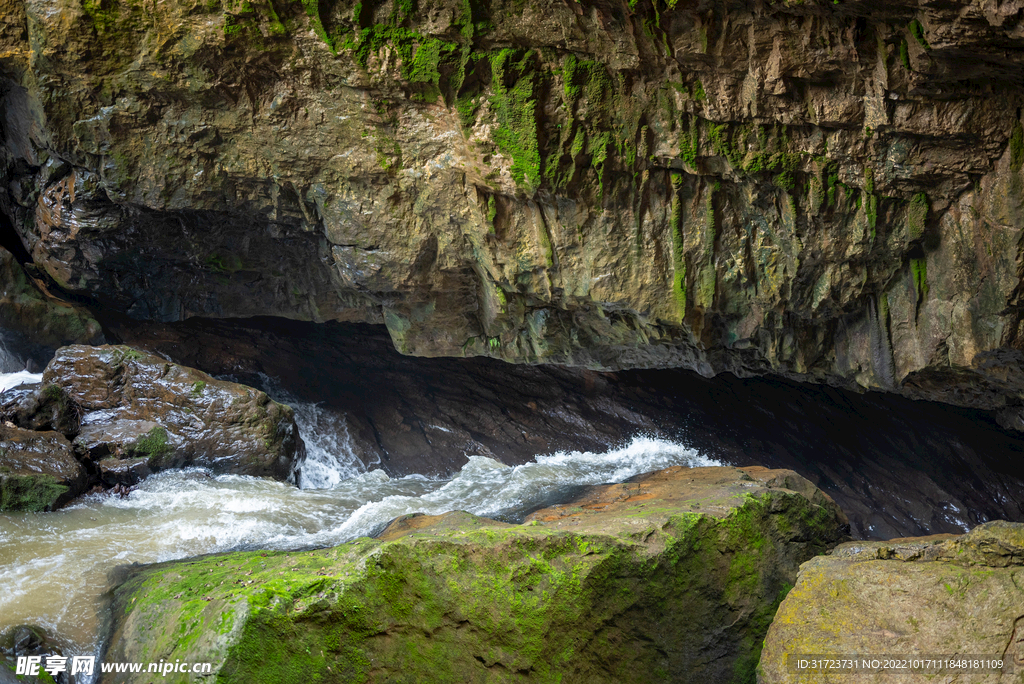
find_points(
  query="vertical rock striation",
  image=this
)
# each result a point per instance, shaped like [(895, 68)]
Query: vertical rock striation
[(829, 191)]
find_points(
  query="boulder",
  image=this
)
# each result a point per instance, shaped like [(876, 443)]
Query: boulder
[(38, 470), (673, 576), (29, 640), (41, 407), (135, 406), (942, 595)]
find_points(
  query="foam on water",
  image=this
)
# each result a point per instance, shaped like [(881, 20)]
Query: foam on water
[(54, 566), (23, 377), (330, 456)]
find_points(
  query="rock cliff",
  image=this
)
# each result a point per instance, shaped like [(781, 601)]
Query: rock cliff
[(831, 191)]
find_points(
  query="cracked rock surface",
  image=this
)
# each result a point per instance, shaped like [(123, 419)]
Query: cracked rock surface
[(830, 192)]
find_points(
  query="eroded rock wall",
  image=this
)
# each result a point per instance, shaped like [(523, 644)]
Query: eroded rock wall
[(830, 191)]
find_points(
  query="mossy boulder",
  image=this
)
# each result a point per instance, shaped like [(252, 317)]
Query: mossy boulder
[(38, 470), (134, 405), (941, 595), (673, 576)]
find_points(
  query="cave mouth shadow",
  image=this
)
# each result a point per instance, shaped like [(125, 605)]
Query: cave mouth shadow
[(898, 467), (11, 241)]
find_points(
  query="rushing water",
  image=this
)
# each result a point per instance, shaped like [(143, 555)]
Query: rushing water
[(54, 566)]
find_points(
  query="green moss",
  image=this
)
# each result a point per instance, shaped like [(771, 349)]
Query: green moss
[(678, 256), (389, 153), (1017, 147), (870, 200), (123, 355), (698, 91), (919, 274), (689, 143), (917, 30), (55, 393), (312, 8), (424, 67), (514, 107), (492, 212), (35, 492), (905, 55), (102, 13), (154, 444), (198, 387), (598, 150), (466, 106)]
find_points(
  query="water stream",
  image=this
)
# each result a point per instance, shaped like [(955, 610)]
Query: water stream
[(54, 566)]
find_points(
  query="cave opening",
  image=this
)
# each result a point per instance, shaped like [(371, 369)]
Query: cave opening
[(898, 467), (11, 241)]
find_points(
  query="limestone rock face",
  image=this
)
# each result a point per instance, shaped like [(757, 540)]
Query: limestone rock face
[(38, 470), (38, 317), (673, 576), (942, 595), (829, 191), (134, 406)]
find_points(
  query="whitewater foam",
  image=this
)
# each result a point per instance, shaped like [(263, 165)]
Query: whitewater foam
[(23, 377), (54, 567)]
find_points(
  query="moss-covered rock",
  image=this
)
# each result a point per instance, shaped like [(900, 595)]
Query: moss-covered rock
[(606, 185), (38, 470), (674, 576), (942, 595)]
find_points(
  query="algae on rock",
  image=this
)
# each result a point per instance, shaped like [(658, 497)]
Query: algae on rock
[(673, 576)]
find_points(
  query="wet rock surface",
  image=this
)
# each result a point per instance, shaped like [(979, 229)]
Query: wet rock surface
[(29, 640), (897, 467), (136, 405), (127, 415), (953, 595), (672, 577), (38, 470), (827, 191)]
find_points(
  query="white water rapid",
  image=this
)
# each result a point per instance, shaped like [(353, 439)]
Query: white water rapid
[(54, 566)]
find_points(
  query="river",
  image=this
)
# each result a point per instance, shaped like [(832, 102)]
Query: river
[(54, 567)]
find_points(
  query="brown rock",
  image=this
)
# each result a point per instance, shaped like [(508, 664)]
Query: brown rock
[(37, 314), (136, 405), (38, 470)]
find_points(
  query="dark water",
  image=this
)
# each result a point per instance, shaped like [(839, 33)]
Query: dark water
[(897, 467)]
